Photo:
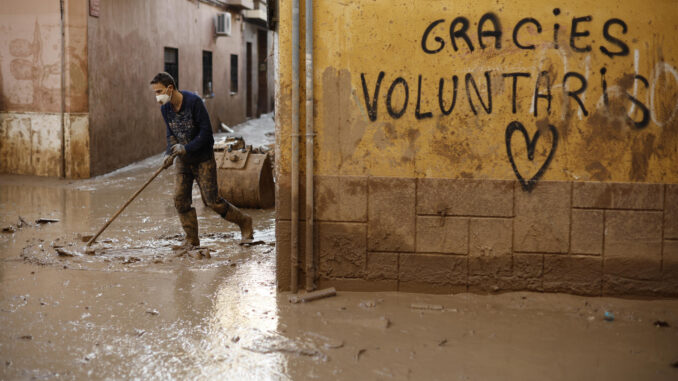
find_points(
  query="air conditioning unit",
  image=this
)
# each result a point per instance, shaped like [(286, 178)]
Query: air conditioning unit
[(222, 24)]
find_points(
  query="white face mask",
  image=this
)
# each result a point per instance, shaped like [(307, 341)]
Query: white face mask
[(163, 98)]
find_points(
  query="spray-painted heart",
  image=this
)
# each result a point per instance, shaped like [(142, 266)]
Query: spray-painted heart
[(531, 144)]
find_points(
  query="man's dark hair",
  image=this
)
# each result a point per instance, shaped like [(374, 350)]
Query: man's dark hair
[(164, 79)]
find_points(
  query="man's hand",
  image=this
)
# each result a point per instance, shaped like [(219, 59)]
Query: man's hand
[(169, 160), (178, 150)]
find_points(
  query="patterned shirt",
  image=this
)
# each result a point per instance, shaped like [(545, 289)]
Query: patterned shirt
[(191, 127)]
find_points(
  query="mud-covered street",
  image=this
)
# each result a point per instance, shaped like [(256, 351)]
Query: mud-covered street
[(136, 310), (139, 310)]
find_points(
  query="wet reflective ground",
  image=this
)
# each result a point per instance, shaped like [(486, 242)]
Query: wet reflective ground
[(139, 310)]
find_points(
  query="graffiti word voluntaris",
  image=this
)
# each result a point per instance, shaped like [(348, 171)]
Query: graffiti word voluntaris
[(574, 85), (475, 88)]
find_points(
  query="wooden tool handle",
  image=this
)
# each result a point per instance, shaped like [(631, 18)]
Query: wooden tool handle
[(91, 241)]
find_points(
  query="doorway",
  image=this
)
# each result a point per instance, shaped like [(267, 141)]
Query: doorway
[(262, 72), (248, 81)]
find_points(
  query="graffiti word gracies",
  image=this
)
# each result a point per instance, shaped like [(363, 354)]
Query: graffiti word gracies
[(490, 28), (399, 95)]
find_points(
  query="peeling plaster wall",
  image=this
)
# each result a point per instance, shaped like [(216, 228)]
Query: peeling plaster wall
[(451, 157), (31, 144), (31, 56), (127, 44), (31, 92), (110, 117)]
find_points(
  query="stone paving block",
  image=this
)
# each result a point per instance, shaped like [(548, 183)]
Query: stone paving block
[(341, 249), (283, 198), (282, 256), (382, 265), (670, 262), (283, 248), (617, 195), (542, 218), (620, 286), (442, 234), (671, 212), (490, 246), (341, 198), (492, 284), (391, 219), (528, 265), (363, 285), (633, 244), (460, 197), (573, 274), (587, 232), (419, 270)]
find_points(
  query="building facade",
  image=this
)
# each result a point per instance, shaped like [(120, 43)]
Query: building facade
[(74, 76), (487, 146)]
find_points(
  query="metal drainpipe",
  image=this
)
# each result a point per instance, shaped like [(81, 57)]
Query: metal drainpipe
[(63, 88), (294, 253), (310, 268)]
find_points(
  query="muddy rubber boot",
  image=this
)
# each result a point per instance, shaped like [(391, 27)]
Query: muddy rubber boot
[(242, 220), (189, 221)]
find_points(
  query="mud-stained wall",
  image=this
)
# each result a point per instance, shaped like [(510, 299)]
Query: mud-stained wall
[(490, 146), (92, 111), (39, 118), (127, 44)]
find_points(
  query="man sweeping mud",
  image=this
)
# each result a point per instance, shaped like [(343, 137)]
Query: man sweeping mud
[(189, 138)]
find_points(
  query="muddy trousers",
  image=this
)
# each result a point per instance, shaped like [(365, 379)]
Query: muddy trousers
[(205, 173)]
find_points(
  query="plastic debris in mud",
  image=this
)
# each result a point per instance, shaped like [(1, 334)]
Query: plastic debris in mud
[(66, 253), (368, 304), (608, 316), (425, 306), (43, 220), (13, 228), (250, 242)]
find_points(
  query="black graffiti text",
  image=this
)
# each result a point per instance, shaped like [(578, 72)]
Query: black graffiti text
[(459, 36), (478, 96)]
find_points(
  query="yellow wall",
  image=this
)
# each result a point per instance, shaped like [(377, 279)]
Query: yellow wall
[(355, 38)]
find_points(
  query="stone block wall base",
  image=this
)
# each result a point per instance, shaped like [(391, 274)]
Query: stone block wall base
[(458, 235)]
